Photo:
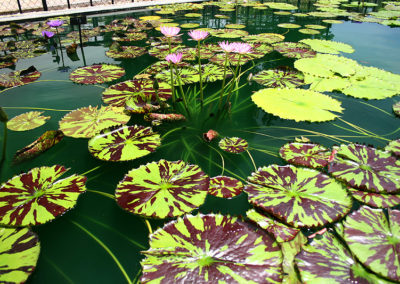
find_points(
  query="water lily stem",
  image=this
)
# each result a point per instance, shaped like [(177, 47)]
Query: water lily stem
[(223, 82), (234, 81), (3, 156), (91, 170), (181, 89), (200, 75), (38, 108), (252, 160), (172, 75), (102, 193), (148, 226)]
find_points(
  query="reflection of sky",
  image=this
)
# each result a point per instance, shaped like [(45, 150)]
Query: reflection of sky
[(375, 45)]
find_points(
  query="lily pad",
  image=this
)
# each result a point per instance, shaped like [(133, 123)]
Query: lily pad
[(96, 74), (163, 189), (315, 27), (294, 50), (187, 75), (193, 15), (280, 6), (290, 250), (190, 26), (27, 121), (297, 104), (127, 52), (264, 38), (18, 78), (225, 187), (305, 154), (131, 36), (228, 33), (86, 122), (332, 21), (124, 144), (282, 77), (204, 248), (19, 254), (234, 26), (288, 26), (233, 59), (396, 108), (300, 197), (282, 13), (309, 31), (36, 197), (366, 168), (328, 46), (234, 145), (375, 199), (394, 147), (212, 72)]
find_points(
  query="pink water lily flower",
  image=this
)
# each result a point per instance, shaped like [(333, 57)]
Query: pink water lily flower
[(55, 23), (241, 47), (174, 58), (226, 46), (169, 31), (198, 34), (47, 34)]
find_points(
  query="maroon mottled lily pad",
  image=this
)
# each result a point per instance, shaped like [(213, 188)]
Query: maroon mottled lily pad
[(375, 240), (305, 154), (375, 199), (18, 78), (300, 197), (96, 74), (394, 147), (228, 33), (126, 52), (161, 51), (211, 248), (233, 59), (366, 168), (27, 121), (7, 61), (289, 250), (225, 187), (396, 108), (36, 197), (160, 66), (234, 145), (130, 36), (163, 189), (294, 50), (281, 77)]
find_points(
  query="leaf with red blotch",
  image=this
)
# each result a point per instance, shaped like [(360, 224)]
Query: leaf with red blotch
[(373, 199), (96, 74), (305, 154), (15, 78), (294, 49), (225, 187), (234, 145), (394, 147), (27, 121)]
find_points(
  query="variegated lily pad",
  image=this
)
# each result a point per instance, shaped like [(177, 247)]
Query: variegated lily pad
[(394, 147), (163, 189), (366, 168), (225, 187), (97, 74), (211, 248), (124, 144), (27, 121), (281, 77), (375, 240), (289, 250), (234, 145), (212, 72), (19, 252), (294, 50), (233, 59), (264, 38), (281, 232), (292, 194), (86, 122), (228, 33), (305, 154), (160, 66), (36, 197), (127, 52), (375, 199), (396, 108), (131, 36), (15, 78), (187, 75)]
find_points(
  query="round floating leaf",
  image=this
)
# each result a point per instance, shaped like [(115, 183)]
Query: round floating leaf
[(190, 26), (27, 121), (327, 46), (374, 240), (394, 147), (330, 84), (15, 78), (127, 52), (234, 26), (315, 27), (96, 74), (376, 199), (281, 6), (366, 168), (282, 13), (281, 77), (131, 36), (211, 248), (212, 72), (19, 254), (301, 197), (290, 250), (281, 232), (309, 31), (326, 260), (297, 104), (228, 33), (332, 21), (305, 154), (294, 50), (125, 143), (160, 66), (264, 38), (86, 122), (396, 108), (225, 187), (163, 189), (288, 26), (36, 197), (234, 145), (221, 16), (187, 75), (193, 15), (28, 53)]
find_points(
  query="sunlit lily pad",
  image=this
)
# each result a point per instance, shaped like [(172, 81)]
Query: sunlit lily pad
[(282, 13), (160, 66), (234, 26), (281, 232), (281, 6), (212, 72), (233, 59), (234, 145), (19, 254), (36, 197), (228, 33), (27, 121), (225, 187), (86, 122), (131, 36), (190, 25), (124, 144), (305, 154), (315, 27), (394, 147), (163, 189), (211, 248), (264, 38), (187, 75), (297, 104), (327, 46), (292, 194), (375, 199), (28, 53), (288, 26), (396, 108), (221, 16), (366, 168), (294, 50), (127, 52), (289, 250), (309, 31), (374, 240), (97, 74), (282, 77), (333, 21), (193, 15), (161, 51), (15, 78)]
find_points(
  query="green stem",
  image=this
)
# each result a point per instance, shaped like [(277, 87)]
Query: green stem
[(181, 89), (38, 108), (3, 157), (172, 75), (252, 160), (234, 81), (91, 170), (223, 82), (148, 226), (201, 79), (169, 132), (101, 193)]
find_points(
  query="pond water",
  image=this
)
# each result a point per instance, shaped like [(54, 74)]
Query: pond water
[(69, 251)]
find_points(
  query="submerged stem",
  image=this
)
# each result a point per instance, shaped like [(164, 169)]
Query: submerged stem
[(252, 160), (148, 226), (181, 89), (223, 82), (201, 80), (3, 156)]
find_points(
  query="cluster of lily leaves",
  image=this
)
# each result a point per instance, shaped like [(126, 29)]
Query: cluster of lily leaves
[(315, 192)]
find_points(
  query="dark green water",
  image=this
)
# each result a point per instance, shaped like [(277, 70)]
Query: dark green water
[(69, 254)]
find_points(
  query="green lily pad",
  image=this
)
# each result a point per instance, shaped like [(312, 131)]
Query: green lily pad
[(187, 75), (327, 46), (321, 84), (315, 27), (163, 189), (225, 187), (294, 50), (280, 6), (297, 104), (15, 78), (86, 122), (234, 26), (19, 254), (234, 145), (127, 52), (333, 21), (305, 154), (130, 36), (228, 33), (216, 248), (366, 168), (309, 31), (36, 197), (124, 144), (221, 16), (212, 72), (27, 121), (374, 239), (282, 13), (288, 26), (161, 51), (377, 200), (96, 74), (193, 15), (190, 26), (264, 38), (394, 147), (281, 77), (292, 194)]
